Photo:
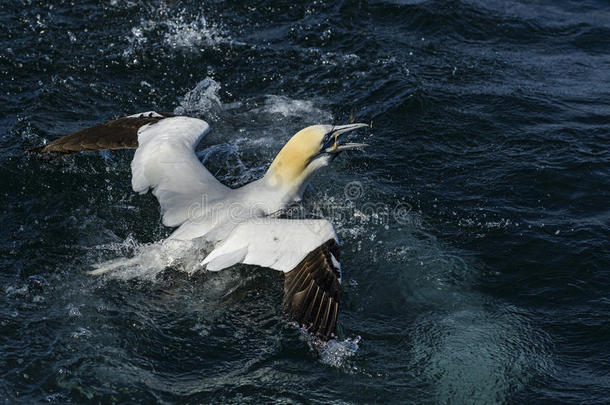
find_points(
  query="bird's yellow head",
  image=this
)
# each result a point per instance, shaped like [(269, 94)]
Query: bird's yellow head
[(307, 151)]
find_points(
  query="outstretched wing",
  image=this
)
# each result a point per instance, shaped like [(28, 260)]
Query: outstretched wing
[(306, 251), (164, 161), (121, 133)]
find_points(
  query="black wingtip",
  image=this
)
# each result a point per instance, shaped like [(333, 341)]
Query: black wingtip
[(40, 153), (120, 133), (312, 290)]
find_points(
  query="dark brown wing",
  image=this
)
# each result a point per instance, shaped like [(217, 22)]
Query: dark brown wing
[(312, 288), (121, 133)]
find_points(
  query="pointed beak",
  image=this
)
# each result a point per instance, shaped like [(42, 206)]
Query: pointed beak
[(336, 143)]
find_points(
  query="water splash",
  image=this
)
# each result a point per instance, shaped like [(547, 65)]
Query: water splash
[(147, 260), (188, 34), (288, 107), (175, 30), (201, 100), (335, 353)]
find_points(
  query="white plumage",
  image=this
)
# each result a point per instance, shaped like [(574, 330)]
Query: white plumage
[(166, 162), (278, 244)]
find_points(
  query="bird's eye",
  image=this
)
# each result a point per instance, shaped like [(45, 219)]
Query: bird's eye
[(326, 138)]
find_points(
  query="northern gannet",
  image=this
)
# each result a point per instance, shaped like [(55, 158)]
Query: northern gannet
[(241, 223)]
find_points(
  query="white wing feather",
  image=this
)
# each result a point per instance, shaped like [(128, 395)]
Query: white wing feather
[(280, 244), (166, 162)]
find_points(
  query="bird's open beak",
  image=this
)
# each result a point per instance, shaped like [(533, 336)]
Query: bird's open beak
[(336, 143)]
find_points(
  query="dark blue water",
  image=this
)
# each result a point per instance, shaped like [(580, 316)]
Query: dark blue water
[(491, 122)]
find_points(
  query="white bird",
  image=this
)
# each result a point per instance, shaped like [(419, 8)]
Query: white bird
[(241, 223)]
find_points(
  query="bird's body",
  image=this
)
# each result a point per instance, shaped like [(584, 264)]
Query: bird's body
[(242, 224)]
